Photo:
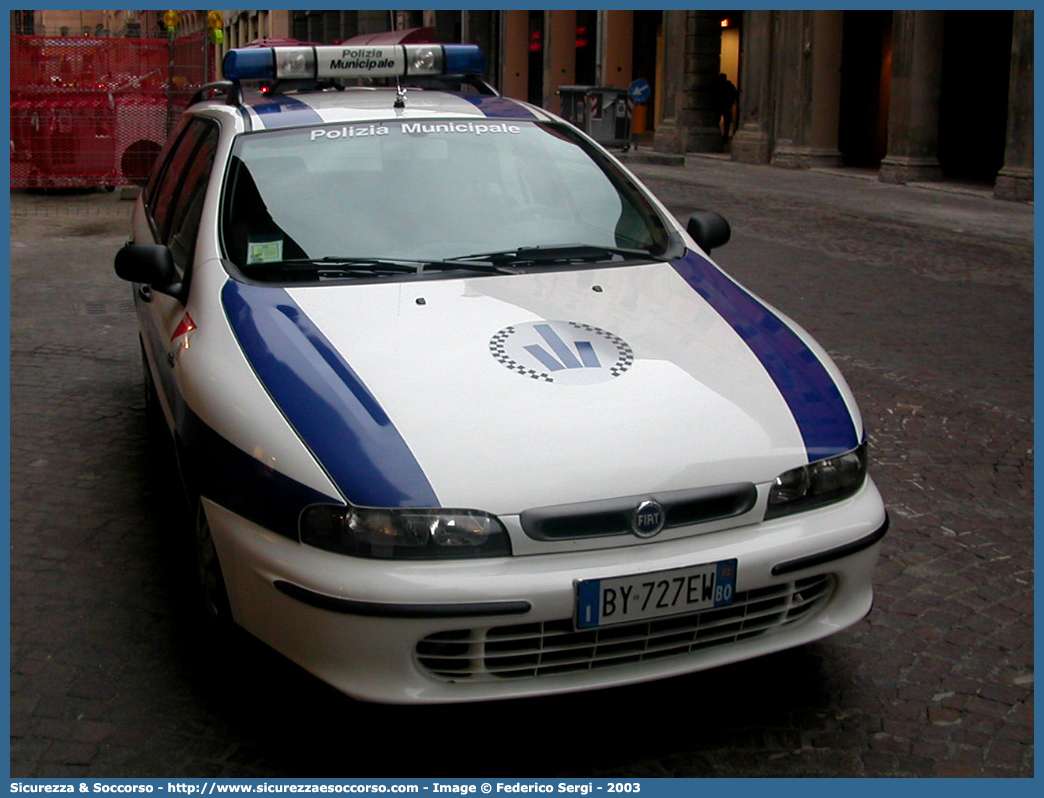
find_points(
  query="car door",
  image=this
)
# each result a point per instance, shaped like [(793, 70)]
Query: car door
[(173, 204)]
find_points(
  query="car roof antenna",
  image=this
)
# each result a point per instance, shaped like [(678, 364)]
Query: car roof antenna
[(400, 95)]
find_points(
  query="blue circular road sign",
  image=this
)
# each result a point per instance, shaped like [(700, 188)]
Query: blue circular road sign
[(640, 91)]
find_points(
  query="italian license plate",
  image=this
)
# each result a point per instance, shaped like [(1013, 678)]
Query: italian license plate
[(624, 599)]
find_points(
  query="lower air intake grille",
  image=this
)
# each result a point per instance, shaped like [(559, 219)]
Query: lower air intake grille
[(540, 649)]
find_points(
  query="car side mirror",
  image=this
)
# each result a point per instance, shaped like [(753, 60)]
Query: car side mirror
[(709, 230), (152, 264)]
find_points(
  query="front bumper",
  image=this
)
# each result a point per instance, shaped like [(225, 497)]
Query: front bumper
[(356, 623)]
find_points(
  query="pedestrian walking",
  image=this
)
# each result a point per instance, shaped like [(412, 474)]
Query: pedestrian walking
[(725, 97)]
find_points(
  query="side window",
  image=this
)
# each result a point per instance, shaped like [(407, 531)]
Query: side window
[(165, 198), (160, 167), (186, 213)]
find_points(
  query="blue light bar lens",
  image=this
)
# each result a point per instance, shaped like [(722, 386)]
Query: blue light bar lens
[(249, 64), (464, 59)]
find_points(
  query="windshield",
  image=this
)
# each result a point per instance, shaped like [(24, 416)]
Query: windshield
[(426, 191)]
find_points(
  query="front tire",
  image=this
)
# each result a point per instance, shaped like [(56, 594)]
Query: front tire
[(211, 581), (155, 424)]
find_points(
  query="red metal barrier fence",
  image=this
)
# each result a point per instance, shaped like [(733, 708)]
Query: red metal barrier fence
[(95, 112)]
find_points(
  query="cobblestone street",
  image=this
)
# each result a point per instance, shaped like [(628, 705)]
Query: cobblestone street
[(924, 298)]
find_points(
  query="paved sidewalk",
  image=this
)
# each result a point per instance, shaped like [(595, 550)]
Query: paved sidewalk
[(959, 206)]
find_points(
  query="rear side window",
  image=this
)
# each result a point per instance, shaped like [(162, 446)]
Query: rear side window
[(185, 215), (159, 167), (165, 201), (176, 200)]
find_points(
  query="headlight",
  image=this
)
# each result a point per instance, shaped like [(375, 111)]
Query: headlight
[(396, 534), (816, 484)]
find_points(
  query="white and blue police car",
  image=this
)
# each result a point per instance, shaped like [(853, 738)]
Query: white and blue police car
[(463, 413)]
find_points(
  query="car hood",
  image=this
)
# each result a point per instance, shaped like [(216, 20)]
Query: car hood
[(505, 393)]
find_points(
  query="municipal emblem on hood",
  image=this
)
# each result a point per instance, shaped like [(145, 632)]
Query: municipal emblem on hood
[(648, 519), (563, 352)]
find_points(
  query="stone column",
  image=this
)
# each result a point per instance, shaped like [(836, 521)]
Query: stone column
[(692, 59), (669, 136), (913, 113), (827, 30), (1015, 179), (791, 85), (559, 56), (615, 32), (514, 47), (753, 140), (806, 68)]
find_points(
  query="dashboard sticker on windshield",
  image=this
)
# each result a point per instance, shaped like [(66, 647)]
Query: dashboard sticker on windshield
[(264, 250)]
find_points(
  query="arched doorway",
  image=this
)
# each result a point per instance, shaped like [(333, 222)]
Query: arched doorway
[(866, 68), (973, 111)]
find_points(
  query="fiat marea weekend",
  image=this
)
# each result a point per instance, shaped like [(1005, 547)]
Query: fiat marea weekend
[(462, 412)]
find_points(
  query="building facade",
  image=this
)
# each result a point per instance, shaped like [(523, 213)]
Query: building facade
[(91, 23), (912, 95), (916, 95)]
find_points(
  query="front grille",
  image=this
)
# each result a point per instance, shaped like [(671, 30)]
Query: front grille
[(616, 516), (540, 649)]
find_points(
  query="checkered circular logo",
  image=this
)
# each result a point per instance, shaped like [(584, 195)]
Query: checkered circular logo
[(563, 352)]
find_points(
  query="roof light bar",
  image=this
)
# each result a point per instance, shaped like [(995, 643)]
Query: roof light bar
[(375, 61)]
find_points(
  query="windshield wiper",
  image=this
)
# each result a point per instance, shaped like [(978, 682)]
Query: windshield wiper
[(484, 266), (562, 253), (334, 266), (354, 264)]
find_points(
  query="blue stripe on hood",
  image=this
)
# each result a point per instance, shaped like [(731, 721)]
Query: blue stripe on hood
[(324, 400), (822, 416)]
